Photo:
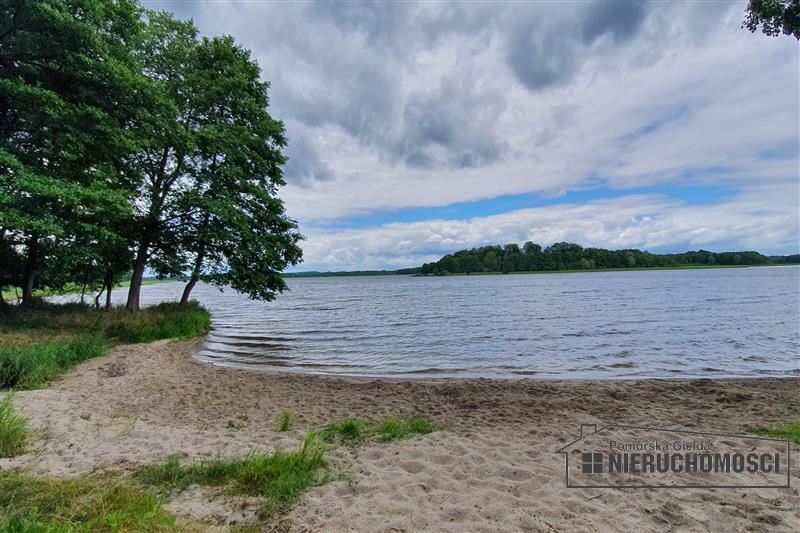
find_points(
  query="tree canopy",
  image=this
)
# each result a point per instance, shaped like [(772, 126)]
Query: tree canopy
[(127, 144), (773, 17)]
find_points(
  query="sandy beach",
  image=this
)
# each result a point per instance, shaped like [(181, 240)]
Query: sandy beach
[(493, 467)]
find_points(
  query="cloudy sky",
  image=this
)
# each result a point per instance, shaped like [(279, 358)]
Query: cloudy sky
[(418, 129)]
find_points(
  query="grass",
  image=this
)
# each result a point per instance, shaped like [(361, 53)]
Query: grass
[(13, 428), (28, 367), (285, 421), (789, 431), (235, 424), (85, 503), (280, 477), (39, 343), (357, 430)]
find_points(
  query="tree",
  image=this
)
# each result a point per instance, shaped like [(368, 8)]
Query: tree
[(212, 168), (66, 83), (238, 232), (773, 17), (167, 139)]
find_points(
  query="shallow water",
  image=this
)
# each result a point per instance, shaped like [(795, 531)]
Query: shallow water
[(668, 323)]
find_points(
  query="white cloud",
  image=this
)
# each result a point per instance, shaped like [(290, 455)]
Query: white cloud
[(402, 105), (762, 218)]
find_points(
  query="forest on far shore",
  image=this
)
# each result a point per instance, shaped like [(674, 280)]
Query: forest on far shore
[(569, 256)]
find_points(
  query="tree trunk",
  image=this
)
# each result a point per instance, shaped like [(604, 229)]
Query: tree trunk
[(136, 280), (3, 303), (30, 272), (198, 264), (97, 298), (109, 286), (187, 291)]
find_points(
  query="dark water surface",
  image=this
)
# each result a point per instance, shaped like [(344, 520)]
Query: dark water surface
[(668, 323)]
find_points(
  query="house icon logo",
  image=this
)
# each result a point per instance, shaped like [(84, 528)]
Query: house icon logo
[(621, 456)]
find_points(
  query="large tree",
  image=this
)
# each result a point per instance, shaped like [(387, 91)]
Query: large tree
[(67, 85), (165, 53), (209, 204), (237, 232)]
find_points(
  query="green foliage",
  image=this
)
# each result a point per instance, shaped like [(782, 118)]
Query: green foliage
[(357, 430), (28, 367), (68, 87), (128, 143), (39, 343), (281, 477), (285, 421), (233, 424), (789, 431), (773, 17), (349, 430), (167, 320), (567, 256), (13, 428), (86, 503)]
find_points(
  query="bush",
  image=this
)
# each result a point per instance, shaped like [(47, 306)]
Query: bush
[(13, 428)]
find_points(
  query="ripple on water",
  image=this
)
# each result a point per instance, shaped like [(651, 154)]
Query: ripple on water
[(693, 323)]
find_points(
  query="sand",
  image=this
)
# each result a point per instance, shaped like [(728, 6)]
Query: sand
[(492, 469)]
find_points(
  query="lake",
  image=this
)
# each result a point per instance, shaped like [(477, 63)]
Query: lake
[(628, 324)]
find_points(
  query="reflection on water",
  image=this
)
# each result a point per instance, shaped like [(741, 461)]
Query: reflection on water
[(678, 323)]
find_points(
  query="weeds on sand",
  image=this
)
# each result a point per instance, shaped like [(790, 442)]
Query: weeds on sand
[(281, 477), (357, 430), (39, 343), (13, 428), (233, 424), (84, 503), (349, 431), (789, 431), (285, 421)]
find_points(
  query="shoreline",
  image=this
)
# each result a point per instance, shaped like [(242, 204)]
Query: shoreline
[(355, 274), (527, 377), (492, 467)]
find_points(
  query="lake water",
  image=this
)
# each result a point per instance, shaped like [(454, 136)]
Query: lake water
[(667, 323)]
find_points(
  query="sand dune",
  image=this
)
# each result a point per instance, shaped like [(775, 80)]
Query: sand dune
[(492, 469)]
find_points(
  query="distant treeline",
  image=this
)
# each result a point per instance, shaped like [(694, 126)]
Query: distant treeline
[(568, 256)]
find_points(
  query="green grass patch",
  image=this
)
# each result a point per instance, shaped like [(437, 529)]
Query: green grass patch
[(13, 428), (28, 367), (235, 424), (789, 431), (285, 421), (86, 503), (357, 430), (280, 477), (349, 431), (39, 343)]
